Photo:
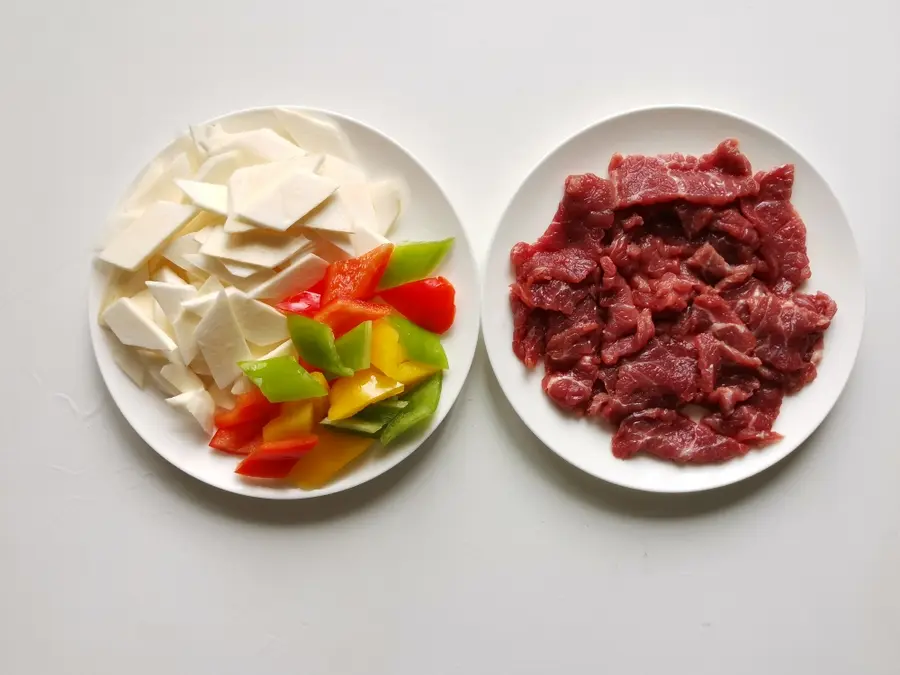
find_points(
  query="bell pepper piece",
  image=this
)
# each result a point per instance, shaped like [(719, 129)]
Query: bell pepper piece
[(236, 440), (250, 407), (324, 462), (429, 303), (356, 278), (351, 394), (315, 344), (320, 404), (305, 303), (423, 402), (415, 260), (275, 459), (355, 348), (371, 419), (419, 344), (282, 379), (344, 314), (390, 358), (296, 419)]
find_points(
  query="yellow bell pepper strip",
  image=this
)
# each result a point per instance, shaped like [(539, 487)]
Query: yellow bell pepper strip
[(414, 260), (355, 347), (282, 379), (390, 358), (315, 344), (320, 404), (351, 394), (423, 402), (371, 419), (298, 418), (328, 458), (419, 344)]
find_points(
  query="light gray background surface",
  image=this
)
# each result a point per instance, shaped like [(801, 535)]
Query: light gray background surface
[(483, 553)]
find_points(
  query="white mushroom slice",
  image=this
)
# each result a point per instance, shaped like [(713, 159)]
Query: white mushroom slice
[(199, 404), (279, 205), (216, 268), (181, 377), (260, 324), (388, 197), (234, 225), (223, 398), (263, 143), (341, 171), (134, 329), (315, 134), (128, 361), (207, 196), (219, 168), (364, 240), (302, 273), (158, 184), (221, 342), (286, 348), (240, 269), (259, 249), (134, 245), (243, 385)]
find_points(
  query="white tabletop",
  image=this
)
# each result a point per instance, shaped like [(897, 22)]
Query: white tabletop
[(483, 553)]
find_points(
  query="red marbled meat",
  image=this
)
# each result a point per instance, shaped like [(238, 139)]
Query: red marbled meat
[(670, 435), (672, 283), (718, 178)]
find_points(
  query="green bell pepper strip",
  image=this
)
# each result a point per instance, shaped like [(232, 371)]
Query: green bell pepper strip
[(419, 344), (355, 347), (413, 261), (315, 344), (423, 403), (371, 419), (282, 379)]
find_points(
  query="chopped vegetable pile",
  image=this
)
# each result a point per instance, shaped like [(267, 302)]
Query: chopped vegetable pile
[(271, 306)]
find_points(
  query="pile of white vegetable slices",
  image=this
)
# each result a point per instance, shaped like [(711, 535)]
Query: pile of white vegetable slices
[(212, 230)]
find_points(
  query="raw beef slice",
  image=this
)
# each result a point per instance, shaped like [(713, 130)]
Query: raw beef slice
[(670, 435), (718, 178)]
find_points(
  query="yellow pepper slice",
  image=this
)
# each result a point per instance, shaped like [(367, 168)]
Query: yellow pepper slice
[(389, 357), (297, 418), (327, 459), (351, 394)]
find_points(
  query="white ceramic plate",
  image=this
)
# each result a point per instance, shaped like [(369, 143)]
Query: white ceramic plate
[(836, 269), (428, 216)]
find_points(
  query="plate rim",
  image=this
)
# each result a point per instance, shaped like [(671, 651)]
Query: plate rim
[(668, 107), (288, 492)]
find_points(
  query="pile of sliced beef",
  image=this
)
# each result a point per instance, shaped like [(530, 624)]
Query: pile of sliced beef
[(673, 283)]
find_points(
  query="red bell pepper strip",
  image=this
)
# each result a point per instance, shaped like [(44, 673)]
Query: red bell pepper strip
[(305, 303), (356, 278), (237, 440), (250, 407), (275, 459), (343, 315), (429, 303), (318, 287)]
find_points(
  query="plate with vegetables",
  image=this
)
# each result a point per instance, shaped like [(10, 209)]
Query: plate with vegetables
[(284, 303)]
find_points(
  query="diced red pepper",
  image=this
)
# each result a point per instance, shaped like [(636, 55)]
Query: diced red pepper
[(356, 278), (305, 303), (250, 407), (343, 315), (275, 459), (429, 303), (237, 440), (318, 287)]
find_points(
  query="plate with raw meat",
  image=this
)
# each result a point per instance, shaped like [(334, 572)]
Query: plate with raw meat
[(673, 299)]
